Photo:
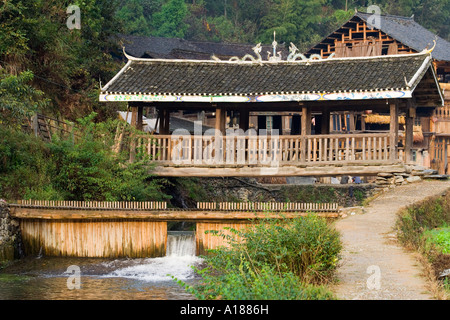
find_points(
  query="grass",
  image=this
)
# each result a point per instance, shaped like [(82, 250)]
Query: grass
[(439, 238), (424, 228)]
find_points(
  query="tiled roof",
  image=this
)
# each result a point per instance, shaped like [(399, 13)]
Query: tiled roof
[(174, 48), (149, 76)]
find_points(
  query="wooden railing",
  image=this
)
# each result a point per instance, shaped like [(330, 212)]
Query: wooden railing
[(268, 206), (266, 150), (442, 112), (162, 206), (148, 205)]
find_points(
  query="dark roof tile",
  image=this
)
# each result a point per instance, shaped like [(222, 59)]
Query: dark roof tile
[(213, 78)]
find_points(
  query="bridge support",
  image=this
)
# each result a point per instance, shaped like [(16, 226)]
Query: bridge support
[(206, 240), (98, 238)]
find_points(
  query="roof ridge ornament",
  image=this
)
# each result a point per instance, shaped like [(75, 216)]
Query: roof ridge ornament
[(276, 56), (434, 45), (293, 55), (127, 55), (248, 57)]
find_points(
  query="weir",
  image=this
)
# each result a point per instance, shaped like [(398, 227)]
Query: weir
[(139, 230)]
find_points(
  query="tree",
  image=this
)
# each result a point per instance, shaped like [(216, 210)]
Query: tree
[(18, 99), (169, 22), (294, 20), (67, 64)]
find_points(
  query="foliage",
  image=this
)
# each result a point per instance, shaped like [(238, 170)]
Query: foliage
[(84, 169), (18, 99), (24, 163), (415, 220), (303, 22), (440, 238), (67, 64), (169, 22), (273, 259)]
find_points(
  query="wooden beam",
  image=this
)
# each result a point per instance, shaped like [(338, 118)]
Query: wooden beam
[(283, 171), (142, 215)]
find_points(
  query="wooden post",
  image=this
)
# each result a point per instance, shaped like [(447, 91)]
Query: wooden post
[(244, 116), (164, 121), (305, 129), (393, 130), (221, 116), (140, 114), (363, 122), (351, 122), (325, 129), (306, 121), (409, 130), (134, 112)]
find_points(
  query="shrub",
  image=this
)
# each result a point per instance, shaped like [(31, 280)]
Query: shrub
[(273, 259), (84, 169), (25, 163), (306, 246), (428, 215), (243, 282)]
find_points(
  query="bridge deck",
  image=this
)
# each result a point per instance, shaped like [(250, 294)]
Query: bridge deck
[(68, 210)]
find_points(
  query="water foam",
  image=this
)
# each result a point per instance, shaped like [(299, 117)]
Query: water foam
[(178, 262)]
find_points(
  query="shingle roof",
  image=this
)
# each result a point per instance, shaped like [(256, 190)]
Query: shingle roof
[(183, 77)]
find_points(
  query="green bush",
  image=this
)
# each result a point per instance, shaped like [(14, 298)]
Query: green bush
[(243, 282), (273, 259), (428, 215), (84, 169), (439, 238), (25, 163), (306, 246)]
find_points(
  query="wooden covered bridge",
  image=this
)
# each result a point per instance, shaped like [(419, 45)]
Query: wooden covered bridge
[(309, 89)]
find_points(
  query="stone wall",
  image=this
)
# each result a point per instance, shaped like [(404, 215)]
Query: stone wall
[(10, 240), (385, 181)]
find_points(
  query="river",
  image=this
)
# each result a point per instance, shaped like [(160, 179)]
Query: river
[(55, 278)]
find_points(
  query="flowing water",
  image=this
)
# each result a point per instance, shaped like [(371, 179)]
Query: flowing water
[(106, 279)]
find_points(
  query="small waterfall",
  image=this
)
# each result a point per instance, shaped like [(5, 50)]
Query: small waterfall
[(180, 243), (180, 256)]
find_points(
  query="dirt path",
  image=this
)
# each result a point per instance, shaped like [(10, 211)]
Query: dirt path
[(374, 265)]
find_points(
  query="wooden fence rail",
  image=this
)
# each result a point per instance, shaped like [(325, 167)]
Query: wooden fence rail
[(267, 206), (159, 205), (148, 205)]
